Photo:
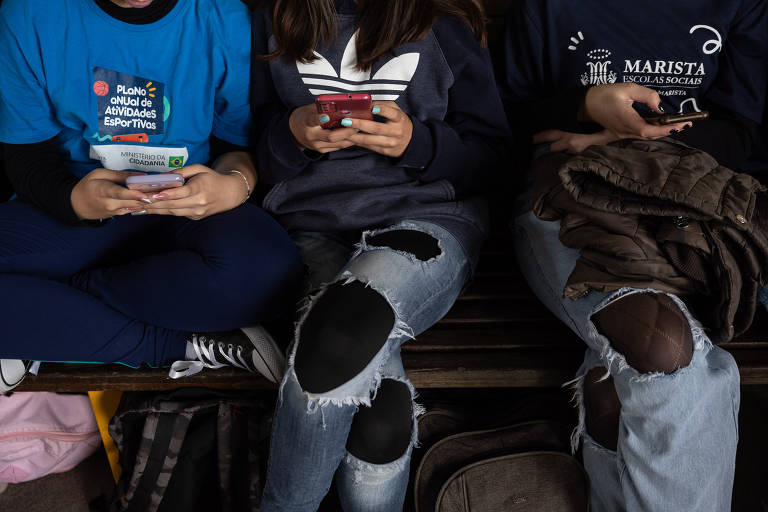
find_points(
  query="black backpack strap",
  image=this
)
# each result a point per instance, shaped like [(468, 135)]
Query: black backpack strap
[(160, 446)]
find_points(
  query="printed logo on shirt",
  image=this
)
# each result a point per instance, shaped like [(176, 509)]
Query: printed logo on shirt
[(130, 108), (598, 67), (389, 82), (125, 157), (668, 77)]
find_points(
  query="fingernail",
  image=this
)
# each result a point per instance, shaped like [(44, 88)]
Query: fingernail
[(346, 122), (324, 118), (146, 200), (160, 197), (140, 212), (376, 110), (661, 109)]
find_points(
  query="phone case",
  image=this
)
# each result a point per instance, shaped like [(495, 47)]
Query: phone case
[(154, 182), (682, 118), (339, 106)]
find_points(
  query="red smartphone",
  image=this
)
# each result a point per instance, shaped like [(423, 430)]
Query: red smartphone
[(678, 118), (339, 106), (154, 182)]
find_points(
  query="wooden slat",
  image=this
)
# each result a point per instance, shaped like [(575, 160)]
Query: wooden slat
[(497, 311), (530, 368), (539, 367), (477, 339)]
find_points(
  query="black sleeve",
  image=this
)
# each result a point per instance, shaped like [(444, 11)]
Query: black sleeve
[(220, 147), (727, 136), (467, 147), (277, 154), (531, 101), (38, 175), (559, 112)]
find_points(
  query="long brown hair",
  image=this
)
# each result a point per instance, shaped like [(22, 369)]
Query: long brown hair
[(300, 25)]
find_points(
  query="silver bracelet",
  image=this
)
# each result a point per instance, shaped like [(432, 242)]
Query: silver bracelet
[(247, 185)]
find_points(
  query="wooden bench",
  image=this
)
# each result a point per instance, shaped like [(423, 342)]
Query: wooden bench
[(496, 336)]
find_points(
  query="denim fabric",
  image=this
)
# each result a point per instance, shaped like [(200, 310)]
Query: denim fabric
[(762, 296), (310, 430), (677, 432), (132, 290)]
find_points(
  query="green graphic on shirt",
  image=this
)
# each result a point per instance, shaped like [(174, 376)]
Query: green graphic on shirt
[(166, 108)]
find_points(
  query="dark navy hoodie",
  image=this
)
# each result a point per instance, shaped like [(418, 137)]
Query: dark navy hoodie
[(698, 54), (443, 82), (688, 51)]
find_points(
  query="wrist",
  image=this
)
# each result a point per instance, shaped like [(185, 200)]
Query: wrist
[(245, 183)]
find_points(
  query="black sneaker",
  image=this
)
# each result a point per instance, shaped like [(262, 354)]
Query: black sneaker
[(249, 348), (12, 372)]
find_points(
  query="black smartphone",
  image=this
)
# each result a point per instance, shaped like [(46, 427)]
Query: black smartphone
[(678, 118)]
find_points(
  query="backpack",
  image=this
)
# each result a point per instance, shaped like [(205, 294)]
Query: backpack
[(44, 433), (191, 450), (523, 466)]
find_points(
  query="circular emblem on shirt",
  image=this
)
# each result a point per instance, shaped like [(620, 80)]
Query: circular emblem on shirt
[(101, 88)]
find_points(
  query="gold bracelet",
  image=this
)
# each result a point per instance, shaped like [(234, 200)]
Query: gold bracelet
[(247, 185)]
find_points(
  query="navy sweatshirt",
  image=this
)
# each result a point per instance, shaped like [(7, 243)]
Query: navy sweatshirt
[(698, 54), (443, 82)]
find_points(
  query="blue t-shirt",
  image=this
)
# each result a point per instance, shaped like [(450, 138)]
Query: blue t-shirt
[(691, 52), (122, 96)]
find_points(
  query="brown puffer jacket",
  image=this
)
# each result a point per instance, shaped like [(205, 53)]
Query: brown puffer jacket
[(662, 215)]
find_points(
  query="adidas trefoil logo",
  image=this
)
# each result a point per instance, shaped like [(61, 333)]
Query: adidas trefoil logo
[(387, 84)]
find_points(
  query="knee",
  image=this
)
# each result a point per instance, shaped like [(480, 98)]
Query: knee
[(650, 330), (382, 433), (249, 254), (342, 333), (602, 408)]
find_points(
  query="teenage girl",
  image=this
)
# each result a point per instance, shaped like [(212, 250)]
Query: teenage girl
[(659, 402), (97, 87), (387, 217)]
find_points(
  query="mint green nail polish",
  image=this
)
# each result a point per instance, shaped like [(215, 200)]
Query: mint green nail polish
[(376, 110), (324, 119), (346, 122)]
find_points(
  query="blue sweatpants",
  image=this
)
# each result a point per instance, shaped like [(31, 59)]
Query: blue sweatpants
[(132, 290)]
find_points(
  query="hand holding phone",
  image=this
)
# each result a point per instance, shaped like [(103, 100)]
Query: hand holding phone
[(339, 106), (678, 118), (305, 125), (102, 194), (154, 182)]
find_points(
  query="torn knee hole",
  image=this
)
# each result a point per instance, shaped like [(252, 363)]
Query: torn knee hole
[(602, 408), (650, 330), (342, 333), (382, 433), (423, 246)]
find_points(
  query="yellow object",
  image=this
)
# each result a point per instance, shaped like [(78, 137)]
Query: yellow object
[(104, 405)]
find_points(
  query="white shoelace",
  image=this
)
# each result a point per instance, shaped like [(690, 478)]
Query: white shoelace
[(207, 347)]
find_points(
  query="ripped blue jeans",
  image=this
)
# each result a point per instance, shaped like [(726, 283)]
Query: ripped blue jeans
[(310, 431), (677, 432)]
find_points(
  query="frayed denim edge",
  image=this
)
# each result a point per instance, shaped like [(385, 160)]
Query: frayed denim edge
[(360, 466), (400, 329), (610, 356), (577, 386), (364, 246)]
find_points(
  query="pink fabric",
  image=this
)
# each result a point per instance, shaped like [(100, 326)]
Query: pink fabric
[(43, 433)]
